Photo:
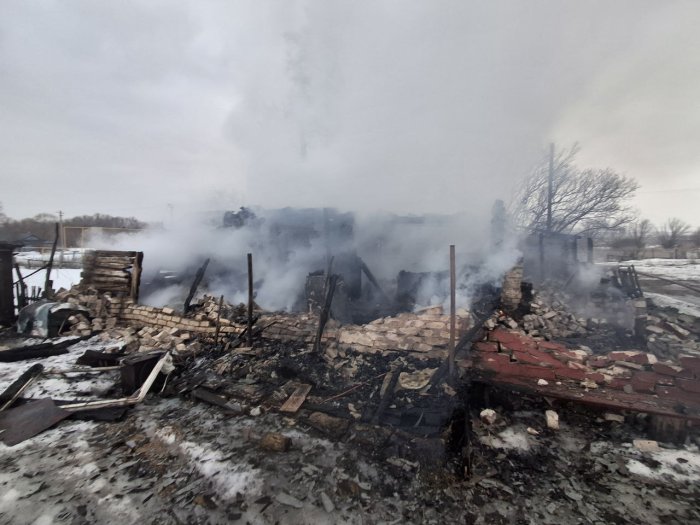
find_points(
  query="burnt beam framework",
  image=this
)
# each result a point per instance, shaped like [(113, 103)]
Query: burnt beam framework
[(7, 303)]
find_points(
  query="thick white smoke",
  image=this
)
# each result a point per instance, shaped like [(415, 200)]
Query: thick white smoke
[(386, 243)]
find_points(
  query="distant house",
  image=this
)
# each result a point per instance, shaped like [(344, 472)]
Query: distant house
[(29, 240)]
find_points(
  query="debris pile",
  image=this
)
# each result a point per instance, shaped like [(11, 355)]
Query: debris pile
[(670, 333)]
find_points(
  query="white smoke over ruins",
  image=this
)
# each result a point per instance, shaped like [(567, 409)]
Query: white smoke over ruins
[(289, 244)]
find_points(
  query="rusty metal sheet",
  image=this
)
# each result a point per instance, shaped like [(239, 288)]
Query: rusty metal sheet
[(28, 420)]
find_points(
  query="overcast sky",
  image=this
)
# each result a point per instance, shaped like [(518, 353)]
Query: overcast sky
[(433, 106)]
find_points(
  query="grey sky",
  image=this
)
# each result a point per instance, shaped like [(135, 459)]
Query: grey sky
[(124, 107)]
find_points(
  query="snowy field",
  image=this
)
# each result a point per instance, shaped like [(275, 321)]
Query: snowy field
[(35, 259), (663, 293), (62, 278), (677, 269)]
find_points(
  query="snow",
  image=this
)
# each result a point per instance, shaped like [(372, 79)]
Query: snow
[(227, 477), (73, 386), (687, 469), (512, 438), (37, 258), (62, 278), (678, 269), (683, 306)]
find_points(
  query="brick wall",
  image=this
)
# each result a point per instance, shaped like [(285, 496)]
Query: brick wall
[(423, 332)]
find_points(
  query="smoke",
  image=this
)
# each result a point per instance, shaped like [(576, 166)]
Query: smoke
[(288, 244)]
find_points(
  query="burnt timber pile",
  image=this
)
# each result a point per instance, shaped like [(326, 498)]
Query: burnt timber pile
[(116, 272)]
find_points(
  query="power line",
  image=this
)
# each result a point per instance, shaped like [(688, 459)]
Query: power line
[(669, 190)]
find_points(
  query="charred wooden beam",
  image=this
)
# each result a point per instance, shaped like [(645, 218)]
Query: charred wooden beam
[(12, 392), (48, 284), (325, 312), (195, 284)]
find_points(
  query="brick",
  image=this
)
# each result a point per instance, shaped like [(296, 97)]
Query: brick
[(644, 382), (598, 361), (549, 345), (691, 363), (689, 385), (486, 346), (596, 377), (618, 383), (504, 337), (678, 394), (543, 358), (493, 361), (535, 372), (521, 345), (570, 373), (665, 380), (666, 369), (633, 356)]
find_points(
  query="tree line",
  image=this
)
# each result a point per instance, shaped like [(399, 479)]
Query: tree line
[(43, 226)]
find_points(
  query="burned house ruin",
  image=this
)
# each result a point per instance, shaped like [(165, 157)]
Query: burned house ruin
[(469, 394)]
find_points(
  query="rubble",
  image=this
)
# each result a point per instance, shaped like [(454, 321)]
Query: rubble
[(371, 425), (552, 419), (488, 416)]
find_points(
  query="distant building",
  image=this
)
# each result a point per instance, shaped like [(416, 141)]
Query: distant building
[(29, 240)]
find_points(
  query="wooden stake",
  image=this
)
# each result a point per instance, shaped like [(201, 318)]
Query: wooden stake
[(325, 312), (22, 288), (48, 285), (250, 299), (136, 276), (218, 321), (195, 284), (453, 300)]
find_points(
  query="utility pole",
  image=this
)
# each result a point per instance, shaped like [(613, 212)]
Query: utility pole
[(62, 237), (549, 187)]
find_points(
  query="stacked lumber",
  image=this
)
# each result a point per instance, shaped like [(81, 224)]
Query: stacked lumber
[(117, 272)]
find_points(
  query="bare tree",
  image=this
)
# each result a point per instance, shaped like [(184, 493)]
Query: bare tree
[(641, 231), (673, 232), (583, 200)]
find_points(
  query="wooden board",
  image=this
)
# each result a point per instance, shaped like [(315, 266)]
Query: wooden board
[(297, 399)]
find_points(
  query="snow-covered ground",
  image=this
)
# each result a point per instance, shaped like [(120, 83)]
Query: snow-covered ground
[(62, 278), (34, 259), (664, 293), (680, 269), (666, 301), (63, 385)]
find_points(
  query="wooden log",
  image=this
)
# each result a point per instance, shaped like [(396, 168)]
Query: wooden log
[(12, 392), (374, 281), (389, 388), (113, 253), (136, 276), (333, 426), (195, 284), (39, 350), (105, 275), (126, 261), (218, 321), (210, 397), (297, 399), (22, 289), (275, 442), (329, 290)]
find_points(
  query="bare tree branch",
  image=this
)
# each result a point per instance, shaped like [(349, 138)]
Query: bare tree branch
[(583, 201)]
